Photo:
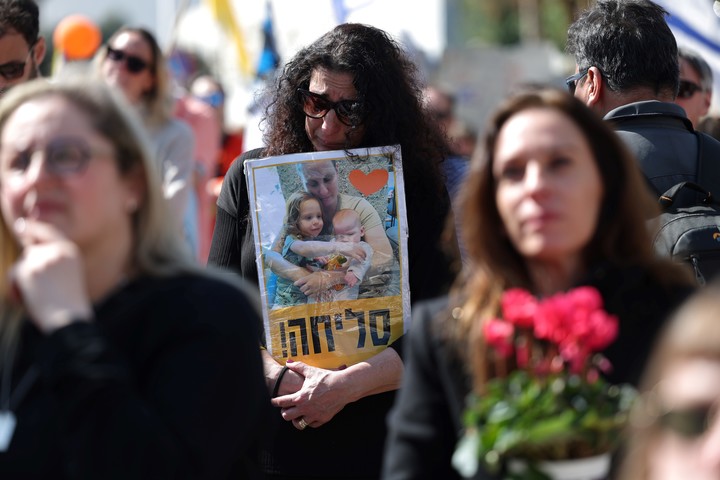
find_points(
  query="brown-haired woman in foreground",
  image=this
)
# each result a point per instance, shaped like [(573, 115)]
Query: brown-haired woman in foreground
[(552, 202)]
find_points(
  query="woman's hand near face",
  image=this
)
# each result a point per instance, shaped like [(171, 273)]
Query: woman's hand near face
[(49, 277)]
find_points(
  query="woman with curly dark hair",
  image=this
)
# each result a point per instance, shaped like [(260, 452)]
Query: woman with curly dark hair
[(354, 87)]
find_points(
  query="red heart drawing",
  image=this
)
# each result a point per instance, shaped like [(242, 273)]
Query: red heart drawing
[(369, 183)]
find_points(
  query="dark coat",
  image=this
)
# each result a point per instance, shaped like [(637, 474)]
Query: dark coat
[(166, 382), (665, 144), (426, 421)]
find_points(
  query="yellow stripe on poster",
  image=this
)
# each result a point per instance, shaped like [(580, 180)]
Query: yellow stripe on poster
[(340, 333)]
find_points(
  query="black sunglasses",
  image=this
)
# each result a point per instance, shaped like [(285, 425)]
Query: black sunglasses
[(15, 70), (688, 89), (349, 112), (572, 80), (134, 64)]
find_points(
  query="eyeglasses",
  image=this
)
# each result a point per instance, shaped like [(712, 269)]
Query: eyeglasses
[(572, 80), (690, 422), (64, 156), (133, 63), (349, 112), (688, 89), (15, 70)]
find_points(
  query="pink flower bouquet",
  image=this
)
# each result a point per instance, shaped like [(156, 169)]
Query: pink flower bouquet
[(554, 405)]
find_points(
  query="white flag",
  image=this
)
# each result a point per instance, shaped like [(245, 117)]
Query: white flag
[(696, 26)]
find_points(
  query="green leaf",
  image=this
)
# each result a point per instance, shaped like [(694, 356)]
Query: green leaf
[(556, 427), (501, 413), (508, 440)]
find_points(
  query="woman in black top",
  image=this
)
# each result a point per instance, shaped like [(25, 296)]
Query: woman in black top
[(119, 357), (354, 87), (554, 201)]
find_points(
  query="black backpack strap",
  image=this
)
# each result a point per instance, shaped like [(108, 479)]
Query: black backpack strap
[(708, 168), (667, 199)]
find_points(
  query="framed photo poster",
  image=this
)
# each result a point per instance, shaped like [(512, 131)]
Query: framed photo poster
[(331, 241)]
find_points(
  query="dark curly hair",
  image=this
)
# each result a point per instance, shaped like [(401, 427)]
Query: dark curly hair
[(22, 16), (387, 84)]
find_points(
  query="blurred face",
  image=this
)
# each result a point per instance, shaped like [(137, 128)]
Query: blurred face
[(55, 169), (348, 229), (440, 107), (310, 221), (320, 179), (18, 61), (208, 91), (697, 104), (549, 189), (121, 67), (691, 385), (329, 133)]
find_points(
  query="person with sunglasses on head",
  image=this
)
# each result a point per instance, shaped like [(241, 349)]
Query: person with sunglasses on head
[(627, 70), (676, 423), (696, 85), (209, 90), (120, 357), (207, 130), (132, 63), (22, 49), (353, 87)]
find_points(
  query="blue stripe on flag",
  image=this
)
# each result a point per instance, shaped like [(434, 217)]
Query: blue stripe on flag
[(678, 23)]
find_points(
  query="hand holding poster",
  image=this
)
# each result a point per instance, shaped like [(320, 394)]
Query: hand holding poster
[(331, 242)]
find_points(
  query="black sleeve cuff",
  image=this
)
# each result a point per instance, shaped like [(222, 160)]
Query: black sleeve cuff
[(397, 345)]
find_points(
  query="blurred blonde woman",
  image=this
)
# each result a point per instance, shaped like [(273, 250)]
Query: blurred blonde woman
[(677, 428), (133, 63), (119, 358)]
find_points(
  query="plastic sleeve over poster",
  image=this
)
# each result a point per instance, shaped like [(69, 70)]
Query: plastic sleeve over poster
[(331, 249)]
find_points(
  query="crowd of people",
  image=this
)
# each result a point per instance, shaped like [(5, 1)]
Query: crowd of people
[(134, 345)]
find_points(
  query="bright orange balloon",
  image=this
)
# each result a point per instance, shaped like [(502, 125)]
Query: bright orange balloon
[(77, 37)]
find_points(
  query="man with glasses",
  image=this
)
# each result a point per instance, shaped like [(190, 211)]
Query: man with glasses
[(627, 70), (696, 82), (21, 47)]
